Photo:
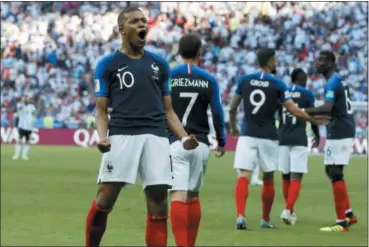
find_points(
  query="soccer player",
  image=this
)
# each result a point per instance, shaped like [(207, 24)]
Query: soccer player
[(293, 150), (26, 112), (261, 94), (340, 134), (136, 83), (193, 90)]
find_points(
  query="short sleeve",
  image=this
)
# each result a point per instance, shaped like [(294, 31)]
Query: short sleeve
[(330, 90), (166, 80), (101, 78), (284, 92)]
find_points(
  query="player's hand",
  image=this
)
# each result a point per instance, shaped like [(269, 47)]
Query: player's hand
[(235, 133), (190, 142), (316, 141), (219, 152), (104, 145), (321, 120)]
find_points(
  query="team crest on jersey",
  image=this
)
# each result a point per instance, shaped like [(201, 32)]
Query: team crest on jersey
[(155, 71), (97, 85), (329, 94)]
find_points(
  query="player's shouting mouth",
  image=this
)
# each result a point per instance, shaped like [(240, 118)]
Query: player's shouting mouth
[(136, 83)]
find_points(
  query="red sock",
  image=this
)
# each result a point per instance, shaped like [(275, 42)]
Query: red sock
[(348, 203), (179, 219), (194, 216), (340, 199), (267, 196), (242, 192), (286, 184), (293, 194), (95, 225), (156, 231)]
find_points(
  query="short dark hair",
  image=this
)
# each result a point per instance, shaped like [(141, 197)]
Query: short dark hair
[(264, 55), (125, 11), (330, 56), (295, 73), (189, 45)]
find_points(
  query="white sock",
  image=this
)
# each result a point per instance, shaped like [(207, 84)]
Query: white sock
[(25, 150), (348, 211), (17, 149), (255, 174)]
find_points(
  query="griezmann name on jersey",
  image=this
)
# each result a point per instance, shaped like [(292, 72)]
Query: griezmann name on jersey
[(342, 124), (262, 93), (292, 130), (193, 90), (135, 89)]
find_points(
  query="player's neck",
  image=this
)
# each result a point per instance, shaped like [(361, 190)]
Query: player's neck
[(190, 61), (132, 52), (265, 70), (328, 73)]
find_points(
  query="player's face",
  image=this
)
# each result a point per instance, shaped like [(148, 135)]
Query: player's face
[(322, 64), (302, 78), (134, 29), (273, 65)]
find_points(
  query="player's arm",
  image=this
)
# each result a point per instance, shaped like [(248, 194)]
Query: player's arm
[(102, 103), (329, 98), (218, 115), (314, 127), (236, 101)]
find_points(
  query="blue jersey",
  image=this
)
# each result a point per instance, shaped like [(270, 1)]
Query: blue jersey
[(193, 90), (292, 130), (342, 123), (262, 94), (135, 88)]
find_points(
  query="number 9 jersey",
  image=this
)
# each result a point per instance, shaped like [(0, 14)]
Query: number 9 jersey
[(262, 95)]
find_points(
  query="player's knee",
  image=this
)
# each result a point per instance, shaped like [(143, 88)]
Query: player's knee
[(107, 195), (296, 176), (268, 176), (193, 196), (244, 173), (335, 173), (178, 195), (157, 193), (286, 177)]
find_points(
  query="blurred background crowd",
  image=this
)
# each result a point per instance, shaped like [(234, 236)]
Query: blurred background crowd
[(49, 49)]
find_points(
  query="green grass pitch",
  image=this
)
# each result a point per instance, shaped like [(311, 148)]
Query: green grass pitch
[(44, 202)]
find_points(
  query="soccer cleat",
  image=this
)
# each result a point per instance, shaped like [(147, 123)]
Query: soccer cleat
[(15, 157), (351, 220), (25, 158), (286, 217), (338, 227), (266, 224), (241, 223), (293, 218)]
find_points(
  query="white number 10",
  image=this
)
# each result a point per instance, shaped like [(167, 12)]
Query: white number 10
[(193, 97)]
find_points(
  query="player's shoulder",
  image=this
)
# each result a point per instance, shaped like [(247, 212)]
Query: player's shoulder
[(105, 62), (334, 79), (203, 73), (159, 60)]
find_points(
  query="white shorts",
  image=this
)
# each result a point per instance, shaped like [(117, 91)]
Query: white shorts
[(293, 159), (251, 150), (337, 152), (146, 155), (189, 166)]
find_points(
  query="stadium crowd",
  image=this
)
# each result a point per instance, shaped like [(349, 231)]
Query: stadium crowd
[(49, 49)]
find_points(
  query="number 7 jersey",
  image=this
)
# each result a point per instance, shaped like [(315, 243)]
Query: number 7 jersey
[(262, 95), (193, 90), (342, 123)]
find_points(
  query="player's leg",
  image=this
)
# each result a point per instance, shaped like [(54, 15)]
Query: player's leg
[(337, 155), (255, 180), (180, 159), (155, 173), (299, 166), (284, 168), (197, 173), (268, 156), (26, 146), (118, 167), (245, 160), (18, 144)]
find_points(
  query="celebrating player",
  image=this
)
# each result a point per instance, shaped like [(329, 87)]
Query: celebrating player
[(340, 134), (136, 83), (261, 94), (26, 112), (193, 89), (293, 150)]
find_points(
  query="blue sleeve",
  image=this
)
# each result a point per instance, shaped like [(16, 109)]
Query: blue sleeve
[(101, 78), (218, 114), (330, 89), (284, 92), (312, 99), (239, 85), (166, 89)]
